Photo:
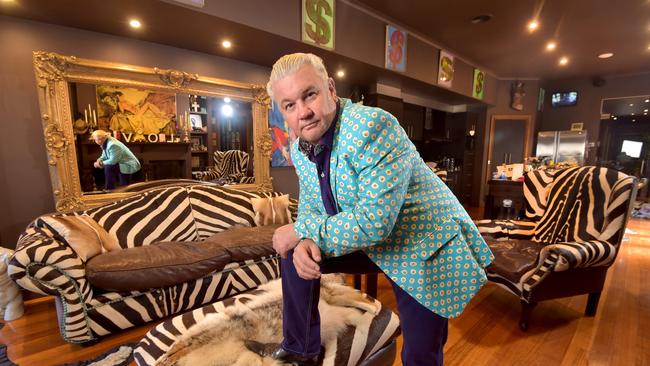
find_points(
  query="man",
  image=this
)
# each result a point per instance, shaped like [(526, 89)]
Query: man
[(367, 202), (116, 159)]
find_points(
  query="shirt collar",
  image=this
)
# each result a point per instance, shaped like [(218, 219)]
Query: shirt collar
[(326, 141)]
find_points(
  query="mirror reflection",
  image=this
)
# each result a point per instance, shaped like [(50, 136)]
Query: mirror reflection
[(144, 136)]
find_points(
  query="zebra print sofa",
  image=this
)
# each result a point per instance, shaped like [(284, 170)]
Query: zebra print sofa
[(44, 264), (229, 167), (574, 225)]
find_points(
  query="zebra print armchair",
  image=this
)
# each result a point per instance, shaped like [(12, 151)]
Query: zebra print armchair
[(229, 167), (575, 222), (44, 263)]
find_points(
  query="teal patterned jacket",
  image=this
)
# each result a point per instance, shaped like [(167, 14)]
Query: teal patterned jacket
[(395, 209)]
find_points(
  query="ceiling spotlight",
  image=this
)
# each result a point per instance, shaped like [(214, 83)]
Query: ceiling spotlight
[(533, 25), (647, 100), (226, 99), (631, 104), (551, 46), (481, 18), (633, 120), (340, 73), (632, 113), (615, 118), (226, 44), (134, 23), (564, 61), (645, 110), (605, 55)]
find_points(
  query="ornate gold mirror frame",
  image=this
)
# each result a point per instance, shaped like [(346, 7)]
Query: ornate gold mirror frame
[(55, 72)]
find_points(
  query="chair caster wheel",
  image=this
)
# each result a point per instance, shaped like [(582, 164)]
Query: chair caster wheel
[(523, 325)]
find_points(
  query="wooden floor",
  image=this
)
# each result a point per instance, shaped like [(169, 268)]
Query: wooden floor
[(486, 334)]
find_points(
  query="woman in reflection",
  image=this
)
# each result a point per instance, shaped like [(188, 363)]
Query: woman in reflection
[(116, 159)]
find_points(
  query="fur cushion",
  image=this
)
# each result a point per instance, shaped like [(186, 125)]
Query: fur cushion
[(353, 326), (271, 210), (83, 234)]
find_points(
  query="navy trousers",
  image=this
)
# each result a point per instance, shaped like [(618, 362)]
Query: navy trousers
[(424, 331), (113, 171)]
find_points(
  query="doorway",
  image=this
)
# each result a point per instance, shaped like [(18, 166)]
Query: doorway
[(508, 141)]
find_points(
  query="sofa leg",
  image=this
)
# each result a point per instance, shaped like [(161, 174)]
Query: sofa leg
[(526, 310), (592, 304)]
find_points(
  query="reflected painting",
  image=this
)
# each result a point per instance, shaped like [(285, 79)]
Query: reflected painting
[(140, 112), (280, 136)]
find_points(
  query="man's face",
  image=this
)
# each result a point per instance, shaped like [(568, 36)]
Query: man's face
[(307, 102)]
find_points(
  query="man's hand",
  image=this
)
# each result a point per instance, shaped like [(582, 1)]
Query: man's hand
[(285, 239), (306, 257), (97, 164)]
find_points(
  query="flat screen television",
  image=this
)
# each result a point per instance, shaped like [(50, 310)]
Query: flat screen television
[(563, 99)]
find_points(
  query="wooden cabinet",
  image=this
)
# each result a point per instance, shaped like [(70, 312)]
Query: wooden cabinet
[(505, 200)]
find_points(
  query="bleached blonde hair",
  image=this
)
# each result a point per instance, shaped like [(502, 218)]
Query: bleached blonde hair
[(289, 64), (100, 134)]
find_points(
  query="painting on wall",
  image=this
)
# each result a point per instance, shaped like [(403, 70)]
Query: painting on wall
[(281, 137), (445, 69), (478, 86), (395, 48), (517, 95), (136, 111), (318, 23)]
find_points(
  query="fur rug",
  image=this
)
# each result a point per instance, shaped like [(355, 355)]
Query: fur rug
[(219, 339)]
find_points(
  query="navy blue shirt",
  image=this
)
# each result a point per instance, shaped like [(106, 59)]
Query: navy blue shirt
[(320, 154)]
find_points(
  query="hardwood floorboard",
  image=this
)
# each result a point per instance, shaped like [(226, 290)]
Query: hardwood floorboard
[(487, 333)]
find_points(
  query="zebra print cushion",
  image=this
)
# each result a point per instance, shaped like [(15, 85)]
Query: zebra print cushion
[(355, 344), (45, 265)]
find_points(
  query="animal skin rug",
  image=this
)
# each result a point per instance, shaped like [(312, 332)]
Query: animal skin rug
[(218, 340)]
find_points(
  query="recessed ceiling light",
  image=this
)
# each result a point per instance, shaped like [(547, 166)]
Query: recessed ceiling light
[(645, 110), (551, 46), (615, 118), (605, 55), (533, 25), (647, 100), (632, 114), (481, 18), (226, 99), (633, 120), (340, 73), (631, 104), (564, 61), (226, 44), (134, 23)]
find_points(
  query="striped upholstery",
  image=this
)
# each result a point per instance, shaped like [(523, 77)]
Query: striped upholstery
[(43, 263), (577, 216), (229, 167), (353, 345)]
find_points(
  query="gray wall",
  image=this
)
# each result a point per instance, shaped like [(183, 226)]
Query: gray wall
[(587, 110), (25, 188)]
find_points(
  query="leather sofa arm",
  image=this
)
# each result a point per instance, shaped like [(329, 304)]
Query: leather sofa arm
[(45, 265), (510, 229)]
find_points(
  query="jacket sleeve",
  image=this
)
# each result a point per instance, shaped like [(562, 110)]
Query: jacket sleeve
[(113, 155), (383, 159)]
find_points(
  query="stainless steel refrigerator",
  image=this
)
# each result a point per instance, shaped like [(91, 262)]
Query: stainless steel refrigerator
[(562, 146)]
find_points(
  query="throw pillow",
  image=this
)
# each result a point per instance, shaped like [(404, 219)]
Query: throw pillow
[(244, 243), (271, 210), (83, 234)]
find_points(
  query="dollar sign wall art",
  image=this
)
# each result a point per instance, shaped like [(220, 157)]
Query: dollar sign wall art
[(478, 86), (395, 48), (445, 69), (318, 23)]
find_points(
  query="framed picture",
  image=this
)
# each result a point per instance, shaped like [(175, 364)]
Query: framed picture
[(576, 126), (479, 84), (280, 137), (196, 143), (395, 58), (196, 121), (445, 69), (118, 106), (318, 23)]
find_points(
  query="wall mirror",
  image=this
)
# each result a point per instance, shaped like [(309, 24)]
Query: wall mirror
[(179, 125)]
